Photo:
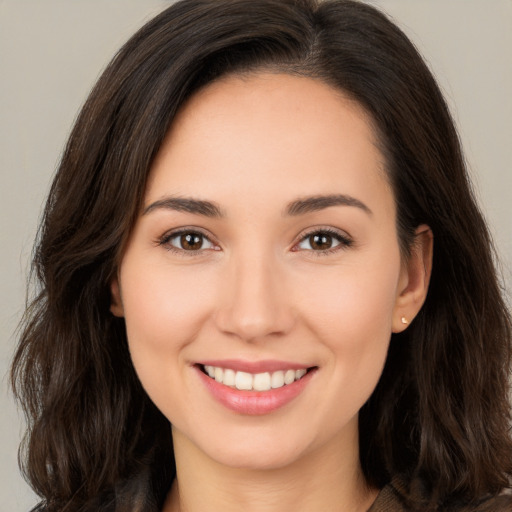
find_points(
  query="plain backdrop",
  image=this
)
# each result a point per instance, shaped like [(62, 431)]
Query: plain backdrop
[(52, 51)]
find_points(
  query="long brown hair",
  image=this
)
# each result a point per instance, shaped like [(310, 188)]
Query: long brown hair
[(440, 415)]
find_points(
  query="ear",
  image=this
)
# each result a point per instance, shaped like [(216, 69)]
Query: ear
[(116, 304), (414, 279)]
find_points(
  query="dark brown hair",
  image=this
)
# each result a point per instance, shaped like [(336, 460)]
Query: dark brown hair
[(439, 416)]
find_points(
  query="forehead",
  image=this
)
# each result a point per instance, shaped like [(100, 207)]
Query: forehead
[(268, 133)]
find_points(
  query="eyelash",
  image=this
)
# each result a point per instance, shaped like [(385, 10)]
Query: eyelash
[(165, 240), (344, 241)]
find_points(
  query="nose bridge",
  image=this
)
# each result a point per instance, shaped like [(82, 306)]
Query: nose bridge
[(254, 302)]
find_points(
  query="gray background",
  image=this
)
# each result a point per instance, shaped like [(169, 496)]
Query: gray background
[(51, 52)]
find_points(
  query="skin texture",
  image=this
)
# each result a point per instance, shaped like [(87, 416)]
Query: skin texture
[(257, 288)]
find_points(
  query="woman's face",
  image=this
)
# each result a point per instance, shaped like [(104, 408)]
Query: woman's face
[(267, 249)]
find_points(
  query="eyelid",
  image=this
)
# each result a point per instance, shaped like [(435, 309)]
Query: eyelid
[(342, 236), (344, 239), (164, 240)]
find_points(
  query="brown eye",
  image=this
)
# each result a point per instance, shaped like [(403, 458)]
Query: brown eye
[(189, 241), (320, 241)]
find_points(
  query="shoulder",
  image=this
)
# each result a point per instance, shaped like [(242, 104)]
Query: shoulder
[(502, 503), (392, 499), (389, 499)]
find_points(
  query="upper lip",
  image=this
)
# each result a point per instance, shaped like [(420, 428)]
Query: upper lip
[(268, 365)]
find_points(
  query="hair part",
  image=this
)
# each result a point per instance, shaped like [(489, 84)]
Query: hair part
[(440, 414)]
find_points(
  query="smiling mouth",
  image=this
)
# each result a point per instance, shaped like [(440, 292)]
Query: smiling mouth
[(245, 381)]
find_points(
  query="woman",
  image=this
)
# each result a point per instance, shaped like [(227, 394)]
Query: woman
[(241, 303)]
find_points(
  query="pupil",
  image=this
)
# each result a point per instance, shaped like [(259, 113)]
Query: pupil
[(321, 241), (191, 241)]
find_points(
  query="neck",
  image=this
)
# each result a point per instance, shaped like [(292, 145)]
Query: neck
[(328, 478)]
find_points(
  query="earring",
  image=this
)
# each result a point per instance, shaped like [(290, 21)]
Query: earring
[(404, 320)]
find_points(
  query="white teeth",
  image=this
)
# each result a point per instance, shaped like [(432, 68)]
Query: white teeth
[(229, 377), (277, 380), (300, 373), (254, 382), (289, 376), (243, 380), (261, 382)]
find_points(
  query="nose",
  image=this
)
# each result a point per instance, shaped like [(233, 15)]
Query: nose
[(254, 302)]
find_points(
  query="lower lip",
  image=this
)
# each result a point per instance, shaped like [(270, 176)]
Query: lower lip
[(255, 402)]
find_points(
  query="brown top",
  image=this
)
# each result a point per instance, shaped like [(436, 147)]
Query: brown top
[(390, 500)]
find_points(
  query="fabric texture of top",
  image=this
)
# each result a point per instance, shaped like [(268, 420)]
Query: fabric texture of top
[(390, 500)]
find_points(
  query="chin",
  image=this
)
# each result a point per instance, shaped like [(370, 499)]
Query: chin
[(256, 458), (252, 449)]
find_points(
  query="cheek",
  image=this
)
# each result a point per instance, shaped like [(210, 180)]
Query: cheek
[(164, 311), (352, 316), (352, 305), (163, 307), (356, 328)]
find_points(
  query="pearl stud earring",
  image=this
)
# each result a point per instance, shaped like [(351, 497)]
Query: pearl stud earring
[(404, 320)]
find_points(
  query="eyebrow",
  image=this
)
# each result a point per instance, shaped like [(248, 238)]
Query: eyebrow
[(317, 203), (297, 207), (189, 205)]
